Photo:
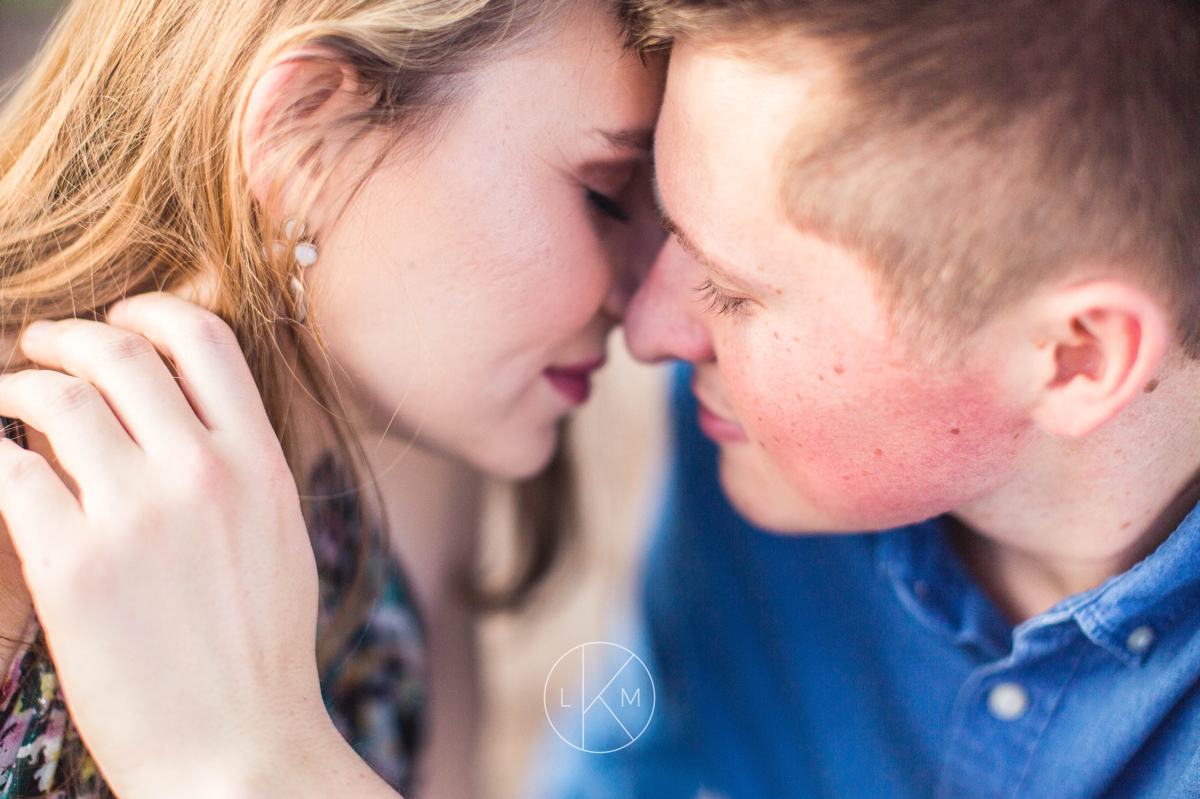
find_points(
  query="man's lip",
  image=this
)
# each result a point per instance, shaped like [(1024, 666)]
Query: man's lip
[(718, 428), (574, 381)]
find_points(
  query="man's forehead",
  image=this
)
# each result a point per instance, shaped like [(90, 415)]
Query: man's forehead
[(726, 124), (763, 48), (740, 117)]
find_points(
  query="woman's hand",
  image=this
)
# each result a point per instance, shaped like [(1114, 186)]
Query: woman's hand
[(176, 583)]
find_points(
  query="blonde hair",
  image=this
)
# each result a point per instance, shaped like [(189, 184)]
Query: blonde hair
[(120, 169)]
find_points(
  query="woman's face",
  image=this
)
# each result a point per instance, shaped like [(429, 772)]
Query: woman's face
[(467, 290)]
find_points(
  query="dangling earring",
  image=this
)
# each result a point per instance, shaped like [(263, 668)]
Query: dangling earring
[(299, 298), (305, 254)]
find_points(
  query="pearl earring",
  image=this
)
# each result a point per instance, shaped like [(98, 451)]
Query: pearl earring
[(305, 255), (299, 299)]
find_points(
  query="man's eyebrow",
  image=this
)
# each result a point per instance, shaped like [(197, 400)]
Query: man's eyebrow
[(686, 243), (673, 228), (691, 249), (640, 140)]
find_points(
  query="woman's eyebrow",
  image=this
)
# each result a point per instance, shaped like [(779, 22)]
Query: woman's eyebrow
[(639, 140)]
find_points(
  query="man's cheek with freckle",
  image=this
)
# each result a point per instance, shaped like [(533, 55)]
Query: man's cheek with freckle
[(874, 451)]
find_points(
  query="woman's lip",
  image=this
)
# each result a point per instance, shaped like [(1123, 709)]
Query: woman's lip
[(718, 428), (574, 381)]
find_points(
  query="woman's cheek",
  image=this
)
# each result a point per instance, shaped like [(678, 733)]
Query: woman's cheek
[(567, 291)]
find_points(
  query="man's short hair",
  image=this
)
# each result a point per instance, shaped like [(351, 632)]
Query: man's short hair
[(988, 146)]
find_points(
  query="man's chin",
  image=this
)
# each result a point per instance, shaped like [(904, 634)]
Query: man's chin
[(759, 493)]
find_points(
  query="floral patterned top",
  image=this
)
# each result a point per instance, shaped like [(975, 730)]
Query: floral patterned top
[(374, 684)]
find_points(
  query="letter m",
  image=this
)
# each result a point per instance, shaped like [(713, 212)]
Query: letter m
[(636, 699)]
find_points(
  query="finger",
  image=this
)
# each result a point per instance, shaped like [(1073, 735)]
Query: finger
[(202, 290), (126, 369), (87, 438), (206, 354), (38, 509)]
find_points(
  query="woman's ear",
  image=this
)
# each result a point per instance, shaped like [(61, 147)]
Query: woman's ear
[(1103, 342), (290, 115)]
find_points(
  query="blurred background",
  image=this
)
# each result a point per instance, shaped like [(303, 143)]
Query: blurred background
[(22, 25), (619, 441)]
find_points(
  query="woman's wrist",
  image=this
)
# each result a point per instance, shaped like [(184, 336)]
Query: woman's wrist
[(316, 764)]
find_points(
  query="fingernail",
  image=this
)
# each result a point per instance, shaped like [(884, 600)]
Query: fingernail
[(36, 329)]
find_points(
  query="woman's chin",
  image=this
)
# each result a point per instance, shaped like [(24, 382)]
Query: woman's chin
[(515, 457)]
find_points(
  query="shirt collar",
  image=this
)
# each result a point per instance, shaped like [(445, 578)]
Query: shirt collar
[(933, 584), (1150, 596)]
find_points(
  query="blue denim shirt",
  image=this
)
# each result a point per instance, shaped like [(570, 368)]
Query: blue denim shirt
[(874, 666)]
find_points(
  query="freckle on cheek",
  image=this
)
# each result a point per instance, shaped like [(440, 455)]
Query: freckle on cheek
[(1153, 384), (923, 472)]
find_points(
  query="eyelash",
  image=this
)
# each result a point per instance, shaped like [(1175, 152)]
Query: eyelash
[(607, 206), (718, 302)]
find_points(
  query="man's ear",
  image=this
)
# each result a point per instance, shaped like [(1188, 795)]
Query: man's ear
[(1102, 342), (290, 117)]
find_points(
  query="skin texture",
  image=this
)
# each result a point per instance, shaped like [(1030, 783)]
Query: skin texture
[(1039, 436)]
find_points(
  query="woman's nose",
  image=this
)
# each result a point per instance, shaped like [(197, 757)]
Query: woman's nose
[(620, 293), (642, 242), (663, 320)]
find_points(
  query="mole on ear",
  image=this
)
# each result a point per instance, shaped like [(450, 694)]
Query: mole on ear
[(1153, 384)]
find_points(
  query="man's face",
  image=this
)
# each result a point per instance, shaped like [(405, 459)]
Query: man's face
[(825, 419)]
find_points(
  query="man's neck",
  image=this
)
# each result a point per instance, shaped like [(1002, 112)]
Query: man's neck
[(1078, 512)]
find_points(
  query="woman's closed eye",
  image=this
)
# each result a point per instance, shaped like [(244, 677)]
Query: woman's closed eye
[(718, 302), (607, 206)]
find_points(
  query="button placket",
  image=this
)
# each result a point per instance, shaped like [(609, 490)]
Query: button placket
[(1002, 711)]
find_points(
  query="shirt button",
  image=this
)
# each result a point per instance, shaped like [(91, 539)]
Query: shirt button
[(1141, 639), (1008, 701)]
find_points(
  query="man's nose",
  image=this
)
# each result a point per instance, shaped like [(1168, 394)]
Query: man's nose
[(664, 319)]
